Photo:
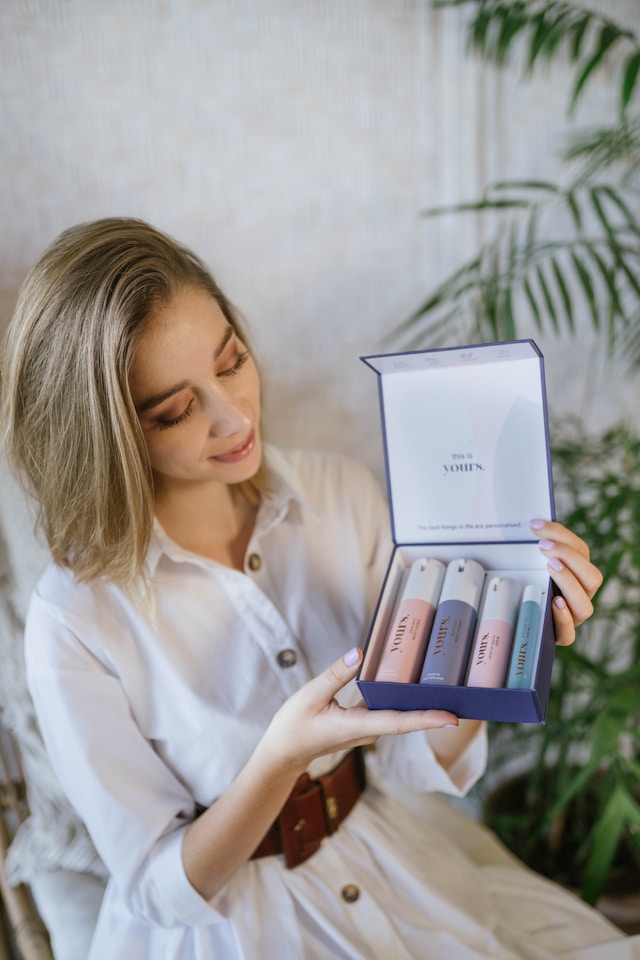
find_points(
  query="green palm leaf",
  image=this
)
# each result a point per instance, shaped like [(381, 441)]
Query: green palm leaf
[(553, 27)]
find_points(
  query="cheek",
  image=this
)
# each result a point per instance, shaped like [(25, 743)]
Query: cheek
[(163, 448), (179, 444), (155, 450)]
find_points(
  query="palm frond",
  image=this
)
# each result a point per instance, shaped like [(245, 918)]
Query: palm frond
[(549, 29), (522, 276), (629, 79), (600, 150)]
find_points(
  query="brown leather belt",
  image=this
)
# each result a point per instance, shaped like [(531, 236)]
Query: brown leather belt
[(314, 810)]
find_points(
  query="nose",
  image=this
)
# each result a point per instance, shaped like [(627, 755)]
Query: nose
[(226, 416)]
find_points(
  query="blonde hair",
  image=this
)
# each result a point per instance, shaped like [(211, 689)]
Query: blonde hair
[(70, 427)]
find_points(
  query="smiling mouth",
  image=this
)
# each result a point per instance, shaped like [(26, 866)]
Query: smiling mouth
[(238, 453)]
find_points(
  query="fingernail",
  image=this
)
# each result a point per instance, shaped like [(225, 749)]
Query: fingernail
[(351, 658), (546, 544), (560, 603), (449, 726), (536, 524), (555, 564)]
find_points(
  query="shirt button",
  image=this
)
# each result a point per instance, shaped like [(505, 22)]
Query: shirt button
[(254, 561), (287, 658), (350, 893)]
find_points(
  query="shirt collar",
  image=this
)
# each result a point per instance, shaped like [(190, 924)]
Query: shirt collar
[(282, 500)]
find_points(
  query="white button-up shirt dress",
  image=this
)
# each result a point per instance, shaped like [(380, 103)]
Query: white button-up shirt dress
[(151, 705)]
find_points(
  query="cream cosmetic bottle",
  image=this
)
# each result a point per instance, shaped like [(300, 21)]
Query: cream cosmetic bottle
[(525, 642), (493, 642), (406, 640), (455, 620)]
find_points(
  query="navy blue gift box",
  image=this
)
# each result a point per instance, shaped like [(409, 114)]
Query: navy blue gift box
[(468, 466)]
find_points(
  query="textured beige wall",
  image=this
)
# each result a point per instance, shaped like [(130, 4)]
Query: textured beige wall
[(293, 144)]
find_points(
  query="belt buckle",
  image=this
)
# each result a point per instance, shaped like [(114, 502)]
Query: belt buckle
[(332, 810), (342, 787), (303, 822)]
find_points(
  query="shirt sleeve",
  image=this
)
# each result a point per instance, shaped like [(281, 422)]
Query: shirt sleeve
[(379, 532), (135, 809), (410, 760), (370, 512)]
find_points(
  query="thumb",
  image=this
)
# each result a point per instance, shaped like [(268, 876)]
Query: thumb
[(327, 684), (352, 658)]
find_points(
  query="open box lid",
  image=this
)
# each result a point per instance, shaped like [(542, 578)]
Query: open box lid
[(466, 442)]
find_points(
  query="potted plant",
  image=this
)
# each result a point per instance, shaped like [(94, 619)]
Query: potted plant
[(573, 812), (562, 250)]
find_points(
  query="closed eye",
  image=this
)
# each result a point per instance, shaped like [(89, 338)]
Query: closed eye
[(240, 361), (165, 424)]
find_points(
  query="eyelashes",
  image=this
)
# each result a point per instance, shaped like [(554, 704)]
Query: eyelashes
[(165, 424), (231, 371), (241, 359)]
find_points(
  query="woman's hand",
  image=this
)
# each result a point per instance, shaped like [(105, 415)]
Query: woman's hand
[(311, 723), (571, 570)]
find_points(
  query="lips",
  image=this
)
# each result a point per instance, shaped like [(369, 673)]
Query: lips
[(238, 453)]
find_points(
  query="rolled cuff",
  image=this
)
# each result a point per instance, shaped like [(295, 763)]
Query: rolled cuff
[(410, 760), (470, 765), (174, 890)]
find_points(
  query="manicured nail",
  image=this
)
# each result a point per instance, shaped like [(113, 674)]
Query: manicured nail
[(560, 603), (546, 544), (555, 564), (536, 524), (351, 658)]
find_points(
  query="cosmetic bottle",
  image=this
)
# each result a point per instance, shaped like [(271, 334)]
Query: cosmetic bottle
[(413, 617), (525, 642), (455, 620), (493, 642)]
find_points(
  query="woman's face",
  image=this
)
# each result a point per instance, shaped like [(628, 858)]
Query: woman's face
[(196, 390)]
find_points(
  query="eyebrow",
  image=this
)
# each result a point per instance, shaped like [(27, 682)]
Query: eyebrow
[(158, 398)]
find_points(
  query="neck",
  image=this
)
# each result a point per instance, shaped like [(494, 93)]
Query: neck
[(213, 520)]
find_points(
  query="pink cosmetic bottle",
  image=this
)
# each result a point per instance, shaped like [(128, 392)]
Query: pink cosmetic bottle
[(491, 650), (406, 640)]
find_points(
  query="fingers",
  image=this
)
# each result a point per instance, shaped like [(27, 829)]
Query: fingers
[(374, 723), (311, 723), (563, 548), (560, 534), (565, 628), (393, 722), (570, 567)]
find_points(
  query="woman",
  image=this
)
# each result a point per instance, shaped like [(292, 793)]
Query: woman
[(185, 650)]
